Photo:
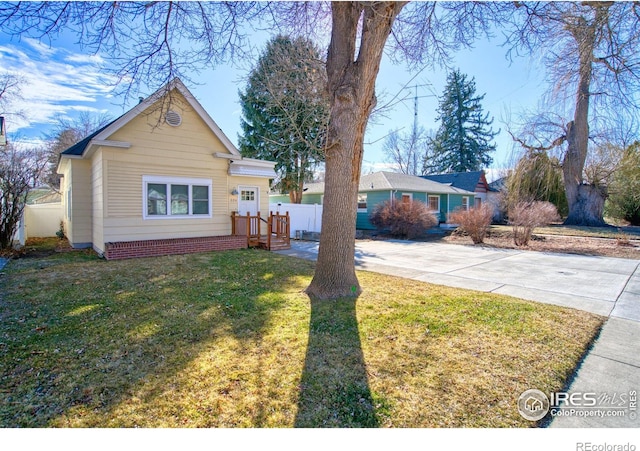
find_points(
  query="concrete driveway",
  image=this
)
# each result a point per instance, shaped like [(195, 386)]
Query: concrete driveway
[(601, 285)]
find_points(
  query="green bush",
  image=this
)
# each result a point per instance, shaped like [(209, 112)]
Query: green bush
[(624, 191), (536, 177)]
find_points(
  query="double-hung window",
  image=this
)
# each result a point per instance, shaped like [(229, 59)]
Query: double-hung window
[(465, 202), (362, 202), (434, 203), (174, 197)]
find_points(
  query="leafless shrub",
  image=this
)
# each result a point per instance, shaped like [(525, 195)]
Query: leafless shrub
[(403, 219), (475, 221), (19, 170), (526, 216), (623, 239)]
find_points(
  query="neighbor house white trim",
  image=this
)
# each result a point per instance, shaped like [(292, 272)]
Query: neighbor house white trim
[(433, 196)]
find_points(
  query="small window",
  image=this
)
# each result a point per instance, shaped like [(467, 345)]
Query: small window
[(407, 198), (176, 197), (247, 195), (465, 203), (69, 203), (434, 203), (362, 202)]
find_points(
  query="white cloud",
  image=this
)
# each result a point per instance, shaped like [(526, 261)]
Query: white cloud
[(42, 49), (85, 59), (58, 82)]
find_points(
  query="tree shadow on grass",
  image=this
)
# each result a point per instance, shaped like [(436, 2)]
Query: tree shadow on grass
[(82, 340), (334, 389)]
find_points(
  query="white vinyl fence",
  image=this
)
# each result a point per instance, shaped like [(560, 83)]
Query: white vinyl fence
[(42, 220), (303, 217)]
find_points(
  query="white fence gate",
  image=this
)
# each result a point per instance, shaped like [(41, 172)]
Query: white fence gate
[(303, 217)]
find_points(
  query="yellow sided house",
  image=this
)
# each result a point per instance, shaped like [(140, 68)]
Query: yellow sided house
[(163, 179)]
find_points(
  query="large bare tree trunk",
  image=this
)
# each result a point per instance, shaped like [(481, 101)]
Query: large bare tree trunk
[(586, 202), (351, 85)]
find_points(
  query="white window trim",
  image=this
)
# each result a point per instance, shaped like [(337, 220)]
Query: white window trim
[(429, 196), (68, 202), (365, 209), (146, 179), (407, 194), (467, 198)]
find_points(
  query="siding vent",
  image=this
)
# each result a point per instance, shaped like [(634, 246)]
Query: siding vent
[(174, 119)]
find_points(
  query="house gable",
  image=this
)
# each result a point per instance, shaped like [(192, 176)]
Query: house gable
[(166, 102), (159, 111)]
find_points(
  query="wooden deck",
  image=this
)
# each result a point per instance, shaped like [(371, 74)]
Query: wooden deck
[(271, 234)]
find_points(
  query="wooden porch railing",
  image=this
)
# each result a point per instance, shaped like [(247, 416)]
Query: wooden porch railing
[(278, 228), (248, 226)]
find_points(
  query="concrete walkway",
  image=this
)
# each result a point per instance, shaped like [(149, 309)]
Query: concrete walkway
[(602, 285)]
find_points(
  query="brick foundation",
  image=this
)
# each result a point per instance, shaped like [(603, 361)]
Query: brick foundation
[(155, 248)]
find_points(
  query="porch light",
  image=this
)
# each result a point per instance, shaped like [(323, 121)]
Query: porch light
[(234, 192)]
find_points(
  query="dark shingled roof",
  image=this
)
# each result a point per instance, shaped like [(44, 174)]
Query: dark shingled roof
[(463, 180), (79, 147)]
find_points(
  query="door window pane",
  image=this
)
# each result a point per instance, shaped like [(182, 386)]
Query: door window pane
[(247, 195)]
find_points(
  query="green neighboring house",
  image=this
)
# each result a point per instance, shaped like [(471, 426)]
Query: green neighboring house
[(381, 186)]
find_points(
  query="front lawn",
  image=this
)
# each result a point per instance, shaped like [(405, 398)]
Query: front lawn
[(229, 339)]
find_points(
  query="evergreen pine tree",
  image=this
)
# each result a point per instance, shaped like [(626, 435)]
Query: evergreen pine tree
[(285, 111), (463, 141)]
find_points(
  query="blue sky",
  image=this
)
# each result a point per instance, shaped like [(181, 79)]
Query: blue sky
[(61, 79)]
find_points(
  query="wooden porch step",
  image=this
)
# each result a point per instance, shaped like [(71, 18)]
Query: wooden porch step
[(277, 244)]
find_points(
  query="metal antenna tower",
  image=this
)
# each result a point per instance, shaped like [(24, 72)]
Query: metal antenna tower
[(415, 105)]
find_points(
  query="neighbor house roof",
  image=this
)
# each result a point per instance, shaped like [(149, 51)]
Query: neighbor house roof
[(387, 181), (43, 197), (463, 180), (499, 184)]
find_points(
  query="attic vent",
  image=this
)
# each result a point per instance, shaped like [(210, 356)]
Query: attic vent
[(174, 119)]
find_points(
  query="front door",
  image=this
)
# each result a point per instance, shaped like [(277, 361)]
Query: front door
[(248, 200)]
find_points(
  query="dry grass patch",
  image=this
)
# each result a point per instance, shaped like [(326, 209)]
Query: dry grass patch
[(228, 339)]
